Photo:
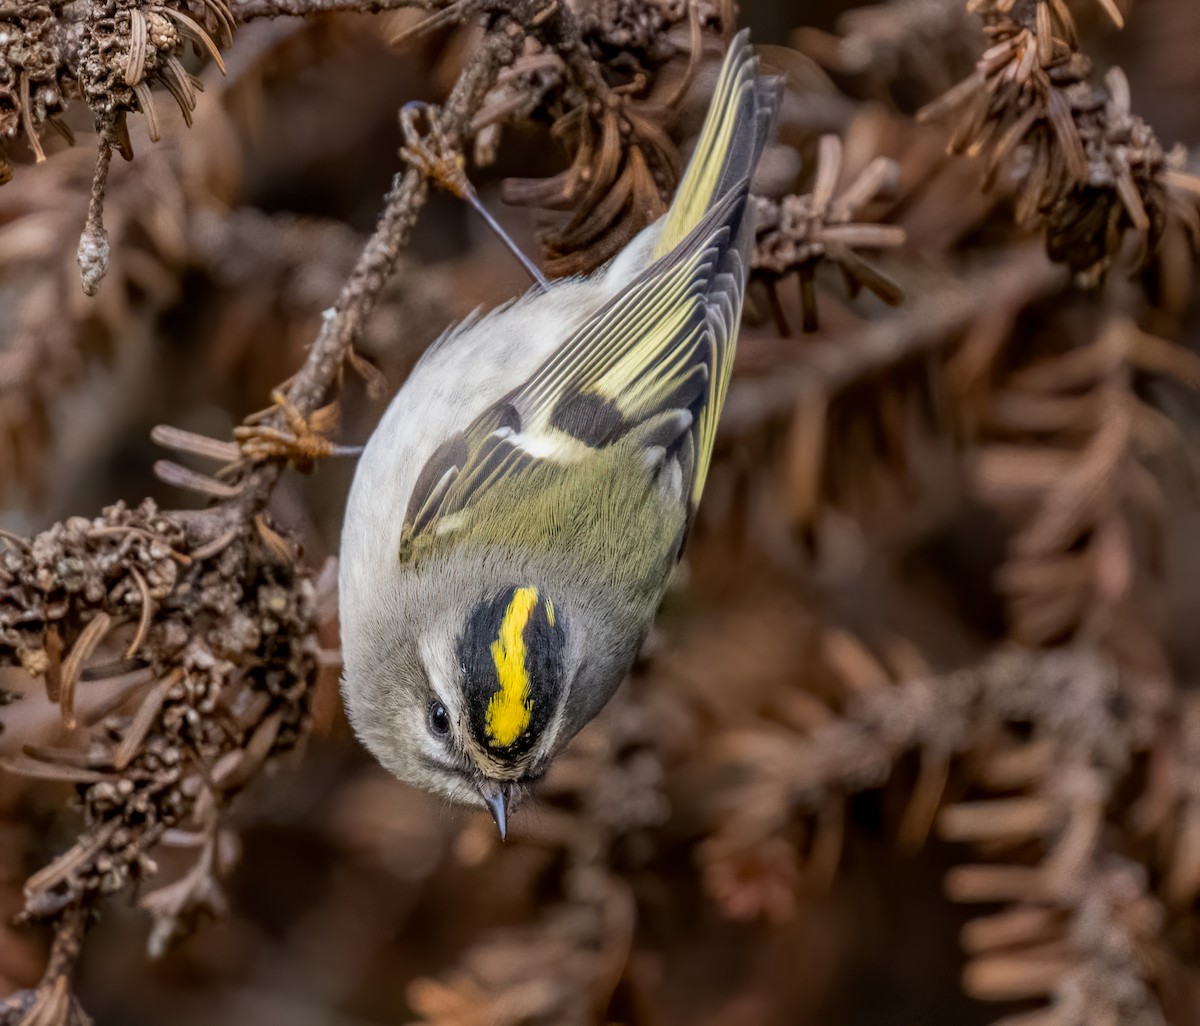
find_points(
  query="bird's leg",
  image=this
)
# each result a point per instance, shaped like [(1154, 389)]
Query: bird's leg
[(432, 155)]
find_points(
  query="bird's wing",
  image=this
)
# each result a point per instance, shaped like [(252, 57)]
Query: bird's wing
[(653, 366)]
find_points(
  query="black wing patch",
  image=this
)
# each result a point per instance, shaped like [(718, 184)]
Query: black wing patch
[(590, 417)]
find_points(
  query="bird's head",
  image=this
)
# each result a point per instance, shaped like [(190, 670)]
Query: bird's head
[(473, 707)]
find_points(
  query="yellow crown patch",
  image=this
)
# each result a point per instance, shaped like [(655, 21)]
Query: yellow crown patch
[(510, 708)]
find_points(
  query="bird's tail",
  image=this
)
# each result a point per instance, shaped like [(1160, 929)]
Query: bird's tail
[(735, 131)]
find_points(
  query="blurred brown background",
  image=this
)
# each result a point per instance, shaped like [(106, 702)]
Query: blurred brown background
[(778, 819)]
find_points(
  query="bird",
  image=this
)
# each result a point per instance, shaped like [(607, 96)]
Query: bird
[(516, 515)]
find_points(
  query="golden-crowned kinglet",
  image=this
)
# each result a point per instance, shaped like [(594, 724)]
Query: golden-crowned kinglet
[(516, 514)]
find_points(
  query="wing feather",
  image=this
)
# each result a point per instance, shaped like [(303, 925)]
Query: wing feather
[(653, 365)]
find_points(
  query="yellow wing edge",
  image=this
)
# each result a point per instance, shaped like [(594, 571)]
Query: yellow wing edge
[(707, 173)]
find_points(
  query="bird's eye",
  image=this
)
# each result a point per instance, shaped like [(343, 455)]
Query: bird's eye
[(439, 719)]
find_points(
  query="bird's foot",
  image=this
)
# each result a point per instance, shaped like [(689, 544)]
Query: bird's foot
[(301, 441), (437, 159), (431, 152)]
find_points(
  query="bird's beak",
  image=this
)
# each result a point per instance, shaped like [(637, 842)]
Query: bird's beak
[(495, 797)]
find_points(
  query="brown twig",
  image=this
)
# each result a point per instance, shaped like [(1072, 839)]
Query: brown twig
[(1096, 170), (52, 1001), (250, 10), (344, 324)]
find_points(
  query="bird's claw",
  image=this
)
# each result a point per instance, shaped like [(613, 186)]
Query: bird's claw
[(431, 152), (301, 441)]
